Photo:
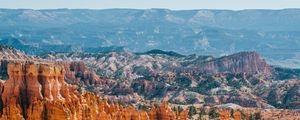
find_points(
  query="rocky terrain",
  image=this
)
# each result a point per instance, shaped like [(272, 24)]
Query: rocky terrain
[(126, 85), (38, 91), (243, 78)]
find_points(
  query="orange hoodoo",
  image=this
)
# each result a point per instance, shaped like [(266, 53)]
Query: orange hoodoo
[(37, 91)]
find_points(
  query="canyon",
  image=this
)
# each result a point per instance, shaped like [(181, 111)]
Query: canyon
[(149, 64), (37, 91), (156, 85), (174, 78)]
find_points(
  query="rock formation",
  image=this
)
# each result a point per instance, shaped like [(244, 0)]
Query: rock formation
[(33, 88), (161, 76), (37, 91), (77, 71), (243, 62)]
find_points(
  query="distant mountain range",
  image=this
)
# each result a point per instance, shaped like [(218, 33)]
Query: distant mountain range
[(273, 33)]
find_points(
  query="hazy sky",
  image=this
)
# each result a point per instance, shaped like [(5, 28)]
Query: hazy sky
[(142, 4)]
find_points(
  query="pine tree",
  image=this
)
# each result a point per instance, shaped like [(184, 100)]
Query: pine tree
[(192, 111), (213, 114)]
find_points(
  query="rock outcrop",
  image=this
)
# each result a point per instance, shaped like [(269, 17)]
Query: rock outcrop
[(12, 54), (243, 62), (77, 71), (37, 91)]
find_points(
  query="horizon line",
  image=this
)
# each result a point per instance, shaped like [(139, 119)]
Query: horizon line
[(127, 8)]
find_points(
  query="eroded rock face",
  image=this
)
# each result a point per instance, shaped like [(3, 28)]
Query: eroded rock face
[(78, 72), (164, 112), (33, 86), (244, 62), (38, 91)]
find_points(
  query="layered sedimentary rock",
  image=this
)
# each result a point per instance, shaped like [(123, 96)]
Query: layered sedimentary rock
[(38, 91), (77, 71), (243, 62)]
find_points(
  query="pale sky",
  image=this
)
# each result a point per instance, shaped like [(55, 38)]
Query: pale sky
[(145, 4)]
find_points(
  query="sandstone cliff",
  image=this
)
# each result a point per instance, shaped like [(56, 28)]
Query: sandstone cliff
[(243, 62)]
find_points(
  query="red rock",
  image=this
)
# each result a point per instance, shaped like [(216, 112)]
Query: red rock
[(38, 91), (153, 113), (243, 62), (77, 71)]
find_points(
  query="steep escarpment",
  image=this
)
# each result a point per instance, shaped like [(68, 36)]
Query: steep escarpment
[(244, 62), (38, 91)]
